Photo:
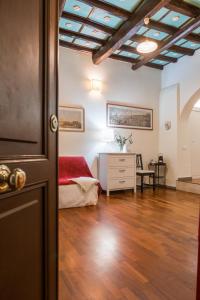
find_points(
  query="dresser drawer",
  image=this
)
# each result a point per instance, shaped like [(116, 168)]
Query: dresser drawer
[(120, 172), (121, 160), (122, 183)]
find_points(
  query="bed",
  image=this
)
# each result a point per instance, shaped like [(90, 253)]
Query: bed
[(77, 186)]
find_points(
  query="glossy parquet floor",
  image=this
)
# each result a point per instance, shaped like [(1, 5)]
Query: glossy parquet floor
[(130, 247), (196, 181)]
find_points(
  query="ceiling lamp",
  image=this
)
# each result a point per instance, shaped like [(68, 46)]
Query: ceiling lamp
[(147, 47), (175, 18), (76, 7)]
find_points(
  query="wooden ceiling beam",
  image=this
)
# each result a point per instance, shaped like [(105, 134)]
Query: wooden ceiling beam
[(87, 38), (181, 33), (113, 56), (124, 58), (155, 66), (147, 9), (172, 30), (111, 9), (153, 25), (137, 38), (80, 35), (75, 47), (161, 27), (184, 8), (178, 49), (160, 57), (88, 22), (182, 50), (133, 60)]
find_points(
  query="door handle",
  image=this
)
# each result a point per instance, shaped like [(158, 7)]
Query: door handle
[(11, 180)]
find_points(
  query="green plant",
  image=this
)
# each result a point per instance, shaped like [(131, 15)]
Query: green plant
[(122, 140)]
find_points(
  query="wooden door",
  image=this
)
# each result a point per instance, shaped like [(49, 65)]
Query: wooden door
[(28, 97)]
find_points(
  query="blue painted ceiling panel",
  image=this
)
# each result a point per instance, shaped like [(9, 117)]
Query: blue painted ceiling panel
[(84, 43), (134, 44), (174, 19), (155, 34), (129, 54), (78, 8), (128, 5), (116, 51), (94, 32), (68, 24), (191, 45), (164, 52), (180, 42), (165, 16), (159, 62), (127, 43), (102, 17), (65, 38), (142, 30), (197, 30), (173, 54), (160, 14)]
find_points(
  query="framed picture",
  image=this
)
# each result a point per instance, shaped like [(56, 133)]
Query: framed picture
[(125, 116), (71, 119)]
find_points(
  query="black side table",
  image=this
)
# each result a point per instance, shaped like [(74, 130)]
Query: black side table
[(160, 172)]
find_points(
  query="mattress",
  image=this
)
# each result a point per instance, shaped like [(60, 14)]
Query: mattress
[(72, 196)]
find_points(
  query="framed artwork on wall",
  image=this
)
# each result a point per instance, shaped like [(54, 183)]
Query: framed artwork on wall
[(71, 118), (131, 117)]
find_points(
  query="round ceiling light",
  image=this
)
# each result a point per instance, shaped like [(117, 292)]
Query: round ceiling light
[(69, 25), (107, 19), (176, 18), (76, 7), (147, 47)]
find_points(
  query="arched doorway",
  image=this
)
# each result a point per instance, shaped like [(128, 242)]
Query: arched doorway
[(184, 137)]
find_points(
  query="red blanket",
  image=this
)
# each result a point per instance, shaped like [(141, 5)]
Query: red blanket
[(72, 167)]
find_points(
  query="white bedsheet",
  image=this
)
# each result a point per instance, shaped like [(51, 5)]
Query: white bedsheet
[(72, 196), (85, 183)]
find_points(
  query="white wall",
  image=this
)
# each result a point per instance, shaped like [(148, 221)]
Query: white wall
[(120, 84), (168, 139), (185, 74), (194, 126)]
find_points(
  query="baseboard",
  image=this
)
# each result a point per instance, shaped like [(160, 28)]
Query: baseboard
[(184, 178), (171, 187)]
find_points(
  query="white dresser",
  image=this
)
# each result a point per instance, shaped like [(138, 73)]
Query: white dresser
[(117, 171)]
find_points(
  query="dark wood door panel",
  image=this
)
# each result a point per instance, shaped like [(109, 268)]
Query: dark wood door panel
[(22, 250), (28, 97), (22, 60)]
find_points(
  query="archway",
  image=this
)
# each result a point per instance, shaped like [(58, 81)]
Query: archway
[(184, 147)]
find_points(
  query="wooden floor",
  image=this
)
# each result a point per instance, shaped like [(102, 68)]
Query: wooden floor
[(196, 181), (130, 247)]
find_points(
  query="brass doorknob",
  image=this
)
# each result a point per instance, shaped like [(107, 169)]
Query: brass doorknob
[(11, 180), (4, 178), (17, 179)]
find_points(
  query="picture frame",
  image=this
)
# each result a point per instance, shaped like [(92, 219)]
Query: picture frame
[(129, 117), (71, 118)]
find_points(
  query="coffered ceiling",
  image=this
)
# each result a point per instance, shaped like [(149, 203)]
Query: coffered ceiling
[(114, 28)]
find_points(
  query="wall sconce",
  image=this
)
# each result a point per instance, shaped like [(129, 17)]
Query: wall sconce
[(168, 125), (96, 85)]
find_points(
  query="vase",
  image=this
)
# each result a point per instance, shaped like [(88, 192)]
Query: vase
[(124, 149)]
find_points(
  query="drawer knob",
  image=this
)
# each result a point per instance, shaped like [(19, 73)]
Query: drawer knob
[(122, 181), (122, 159), (121, 171)]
